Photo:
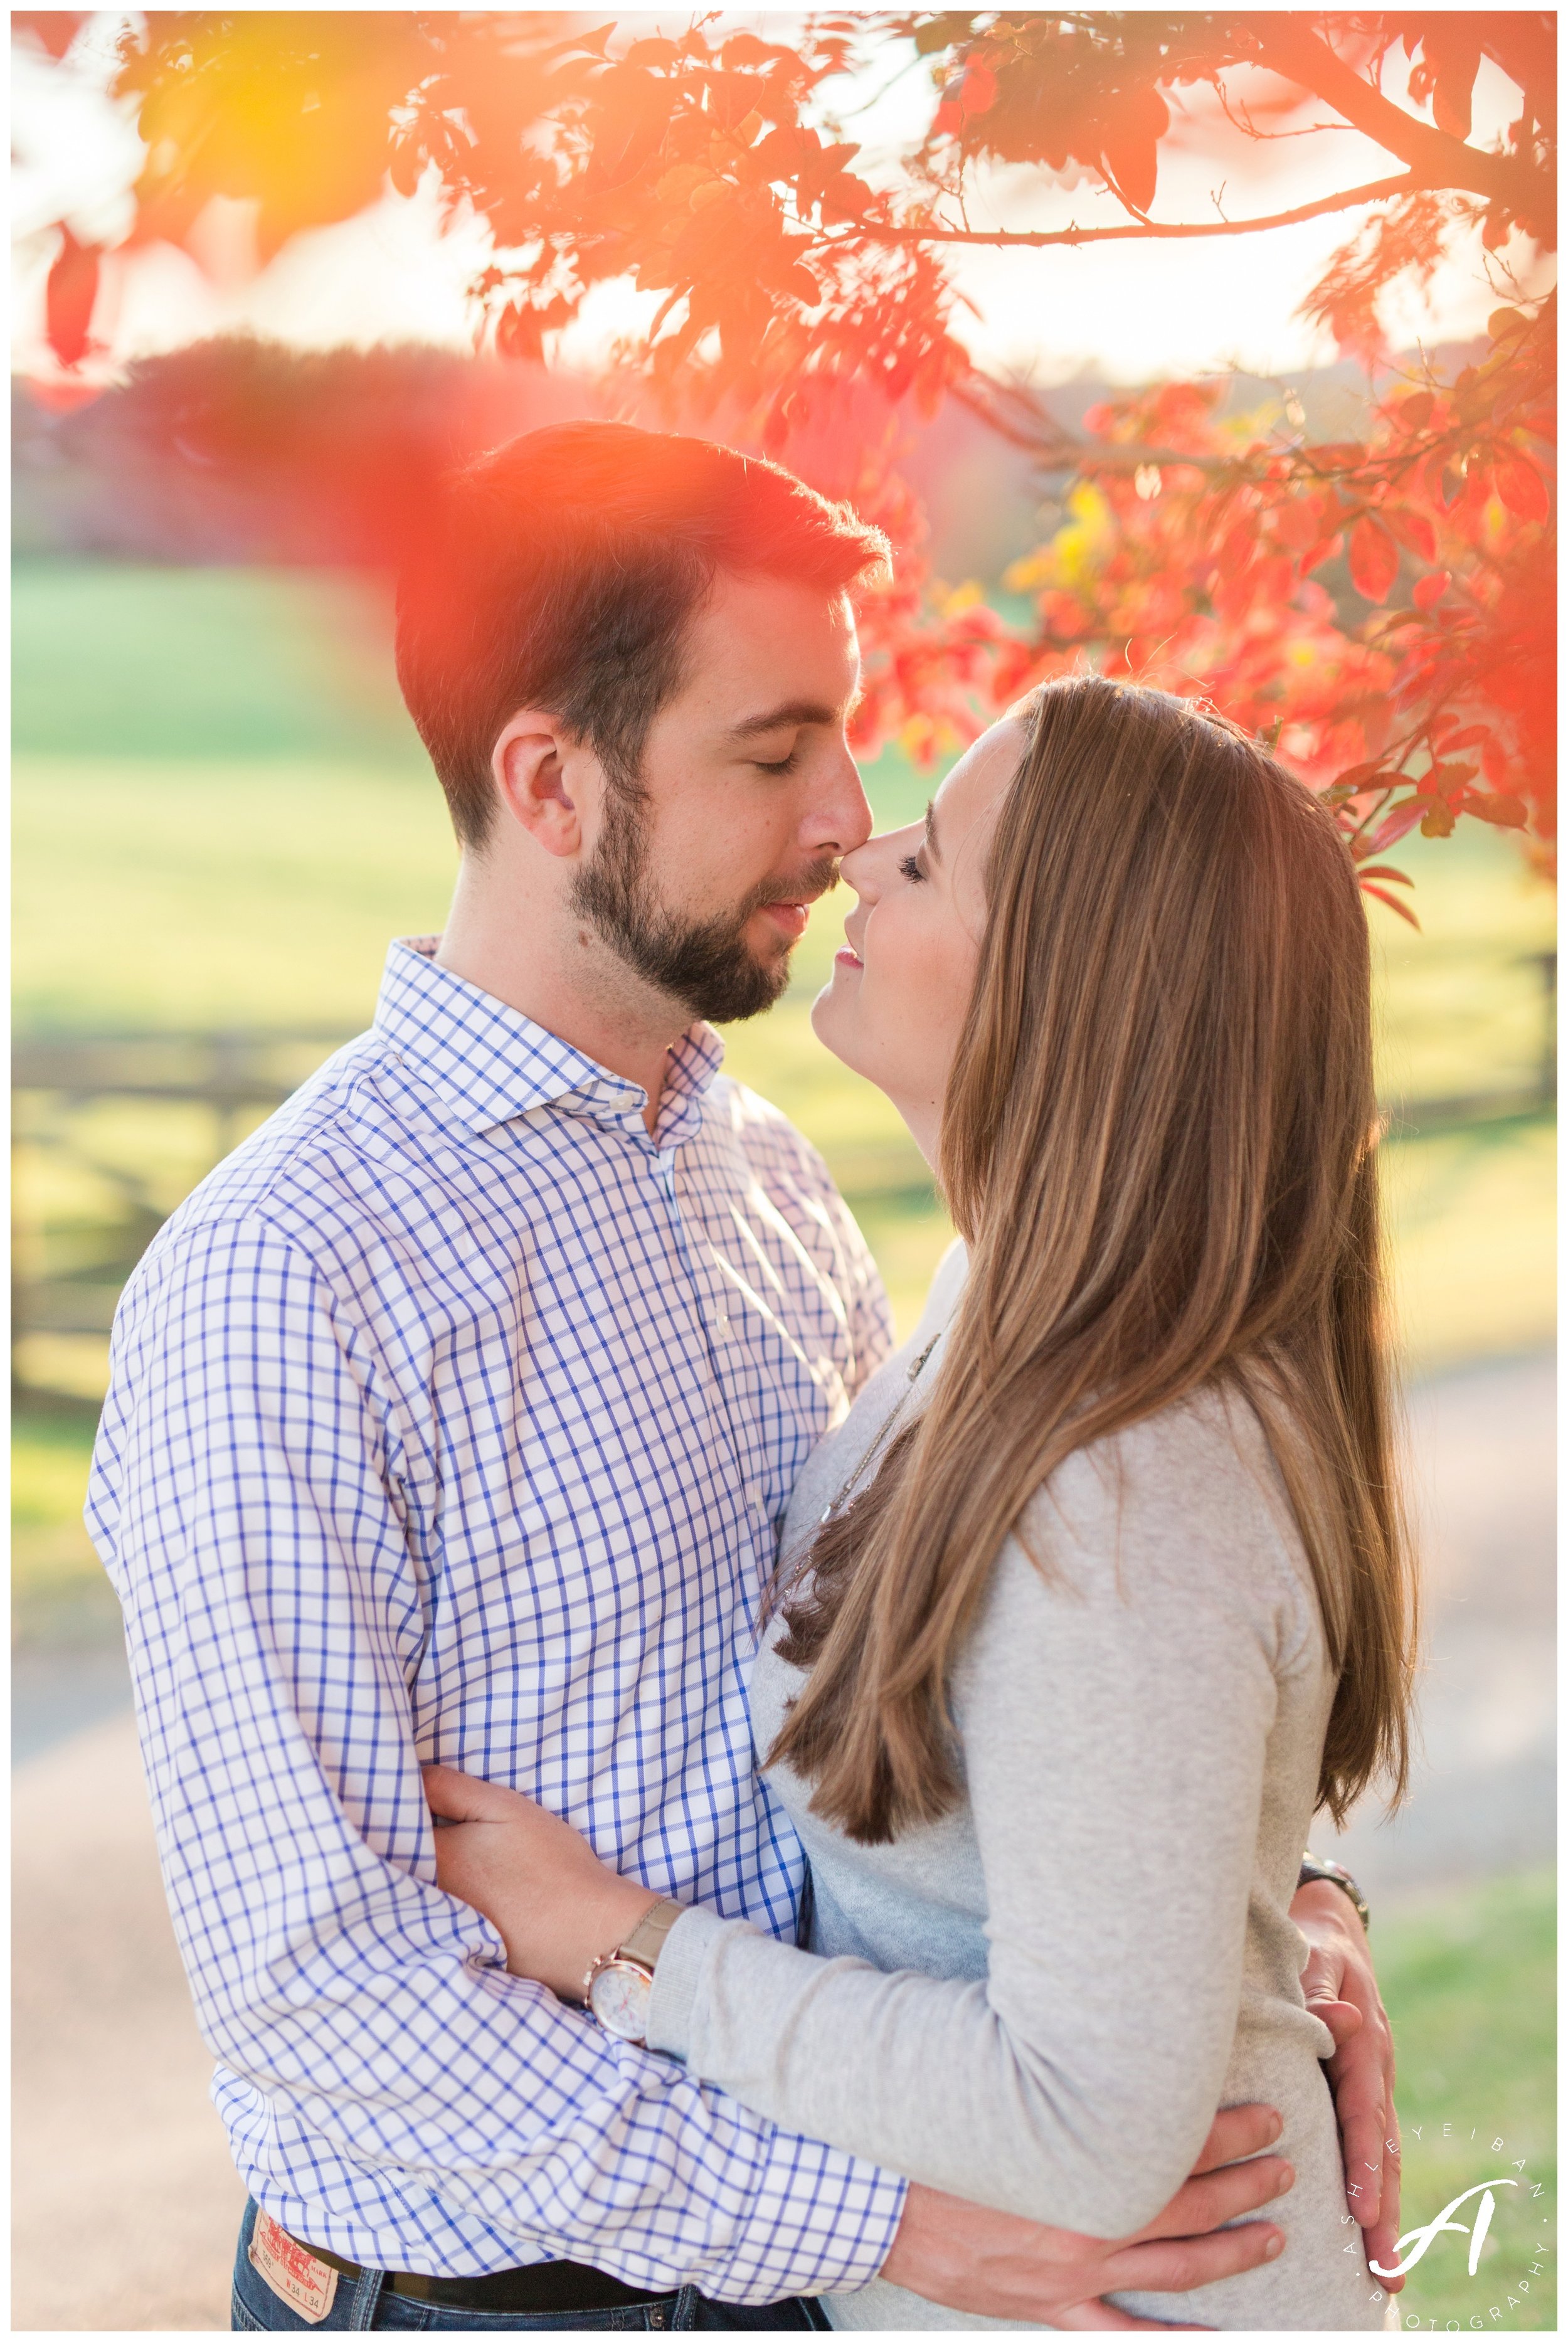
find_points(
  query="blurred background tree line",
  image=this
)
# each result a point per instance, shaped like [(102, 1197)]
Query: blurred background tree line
[(770, 234)]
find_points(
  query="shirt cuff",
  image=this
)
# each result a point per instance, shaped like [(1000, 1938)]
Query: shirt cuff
[(676, 1974)]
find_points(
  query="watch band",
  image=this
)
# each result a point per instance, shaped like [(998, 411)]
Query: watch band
[(1317, 1865), (646, 1940), (618, 1986)]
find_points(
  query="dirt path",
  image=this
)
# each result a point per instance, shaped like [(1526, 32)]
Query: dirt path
[(125, 2202)]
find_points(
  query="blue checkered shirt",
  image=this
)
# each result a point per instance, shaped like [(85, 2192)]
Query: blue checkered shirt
[(453, 1417)]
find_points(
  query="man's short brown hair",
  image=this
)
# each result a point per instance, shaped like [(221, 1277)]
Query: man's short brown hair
[(562, 572)]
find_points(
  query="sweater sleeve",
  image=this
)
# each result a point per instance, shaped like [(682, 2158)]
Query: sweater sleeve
[(1115, 1718)]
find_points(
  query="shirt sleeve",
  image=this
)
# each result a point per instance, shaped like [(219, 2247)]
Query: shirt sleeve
[(246, 1500), (1112, 1719)]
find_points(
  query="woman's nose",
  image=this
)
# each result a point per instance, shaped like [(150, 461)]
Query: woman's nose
[(856, 868)]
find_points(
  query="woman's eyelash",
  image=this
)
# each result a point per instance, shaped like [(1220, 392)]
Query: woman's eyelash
[(910, 868)]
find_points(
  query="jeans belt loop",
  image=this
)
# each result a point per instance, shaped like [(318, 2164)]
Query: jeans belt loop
[(365, 2299)]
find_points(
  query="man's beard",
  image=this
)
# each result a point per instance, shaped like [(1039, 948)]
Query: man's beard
[(706, 965)]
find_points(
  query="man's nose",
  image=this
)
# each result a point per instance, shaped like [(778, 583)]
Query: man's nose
[(840, 819)]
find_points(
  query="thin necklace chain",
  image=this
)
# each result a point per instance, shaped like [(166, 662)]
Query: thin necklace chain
[(860, 1470)]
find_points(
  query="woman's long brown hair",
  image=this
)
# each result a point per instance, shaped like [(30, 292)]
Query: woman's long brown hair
[(1159, 1144)]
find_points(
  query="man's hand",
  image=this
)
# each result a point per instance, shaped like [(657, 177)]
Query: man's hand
[(1341, 1988), (1001, 2266), (533, 1875)]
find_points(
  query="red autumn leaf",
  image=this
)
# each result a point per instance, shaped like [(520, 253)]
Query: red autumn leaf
[(1395, 826), (1427, 592), (1373, 559), (1316, 555), (744, 49), (977, 91), (1505, 812), (54, 29), (69, 299), (1361, 777), (1412, 528), (1438, 821), (1394, 903), (1460, 61), (1522, 488), (1131, 140), (1298, 523)]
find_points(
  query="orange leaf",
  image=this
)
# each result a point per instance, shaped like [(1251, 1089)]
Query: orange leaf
[(1394, 903), (977, 90), (1450, 97), (1373, 559), (69, 299), (1413, 529), (1132, 138), (1395, 825), (1522, 488), (1506, 812)]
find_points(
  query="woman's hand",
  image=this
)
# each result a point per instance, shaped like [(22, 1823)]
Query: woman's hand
[(1342, 1989), (534, 1876)]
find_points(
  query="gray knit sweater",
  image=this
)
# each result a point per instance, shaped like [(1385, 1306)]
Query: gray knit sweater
[(1039, 2002)]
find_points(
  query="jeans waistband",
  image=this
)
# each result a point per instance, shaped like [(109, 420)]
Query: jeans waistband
[(541, 2286)]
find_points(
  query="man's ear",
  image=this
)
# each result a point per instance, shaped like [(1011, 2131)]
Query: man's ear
[(536, 767)]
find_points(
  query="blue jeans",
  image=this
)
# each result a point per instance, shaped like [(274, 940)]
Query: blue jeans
[(364, 2305)]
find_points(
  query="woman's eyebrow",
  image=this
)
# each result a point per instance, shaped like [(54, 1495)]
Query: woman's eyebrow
[(932, 847)]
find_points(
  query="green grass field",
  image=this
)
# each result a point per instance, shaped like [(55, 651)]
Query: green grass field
[(221, 813), (1470, 1982), (221, 816)]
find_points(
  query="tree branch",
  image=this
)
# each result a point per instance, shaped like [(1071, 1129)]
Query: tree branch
[(1377, 190), (1288, 46)]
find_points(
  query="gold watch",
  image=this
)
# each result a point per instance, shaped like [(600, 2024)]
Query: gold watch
[(1318, 1865), (619, 1986)]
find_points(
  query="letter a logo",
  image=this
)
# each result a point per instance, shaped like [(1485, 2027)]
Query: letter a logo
[(1445, 2224)]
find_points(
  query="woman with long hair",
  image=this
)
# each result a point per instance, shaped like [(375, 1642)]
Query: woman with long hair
[(1100, 1590)]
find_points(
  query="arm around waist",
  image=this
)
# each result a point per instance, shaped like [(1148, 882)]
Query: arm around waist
[(1112, 1718)]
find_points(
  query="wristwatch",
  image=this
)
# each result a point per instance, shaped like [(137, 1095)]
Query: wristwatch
[(619, 1986), (1317, 1865)]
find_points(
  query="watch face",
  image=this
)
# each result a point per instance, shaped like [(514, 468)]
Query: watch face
[(619, 1997)]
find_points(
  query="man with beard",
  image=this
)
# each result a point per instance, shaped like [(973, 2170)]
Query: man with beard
[(454, 1417)]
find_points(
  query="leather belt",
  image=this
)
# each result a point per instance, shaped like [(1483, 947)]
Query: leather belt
[(515, 2292)]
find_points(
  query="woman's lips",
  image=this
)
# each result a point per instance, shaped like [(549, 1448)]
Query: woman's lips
[(847, 957)]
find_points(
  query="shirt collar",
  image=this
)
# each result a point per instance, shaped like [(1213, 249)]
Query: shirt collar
[(491, 1062)]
